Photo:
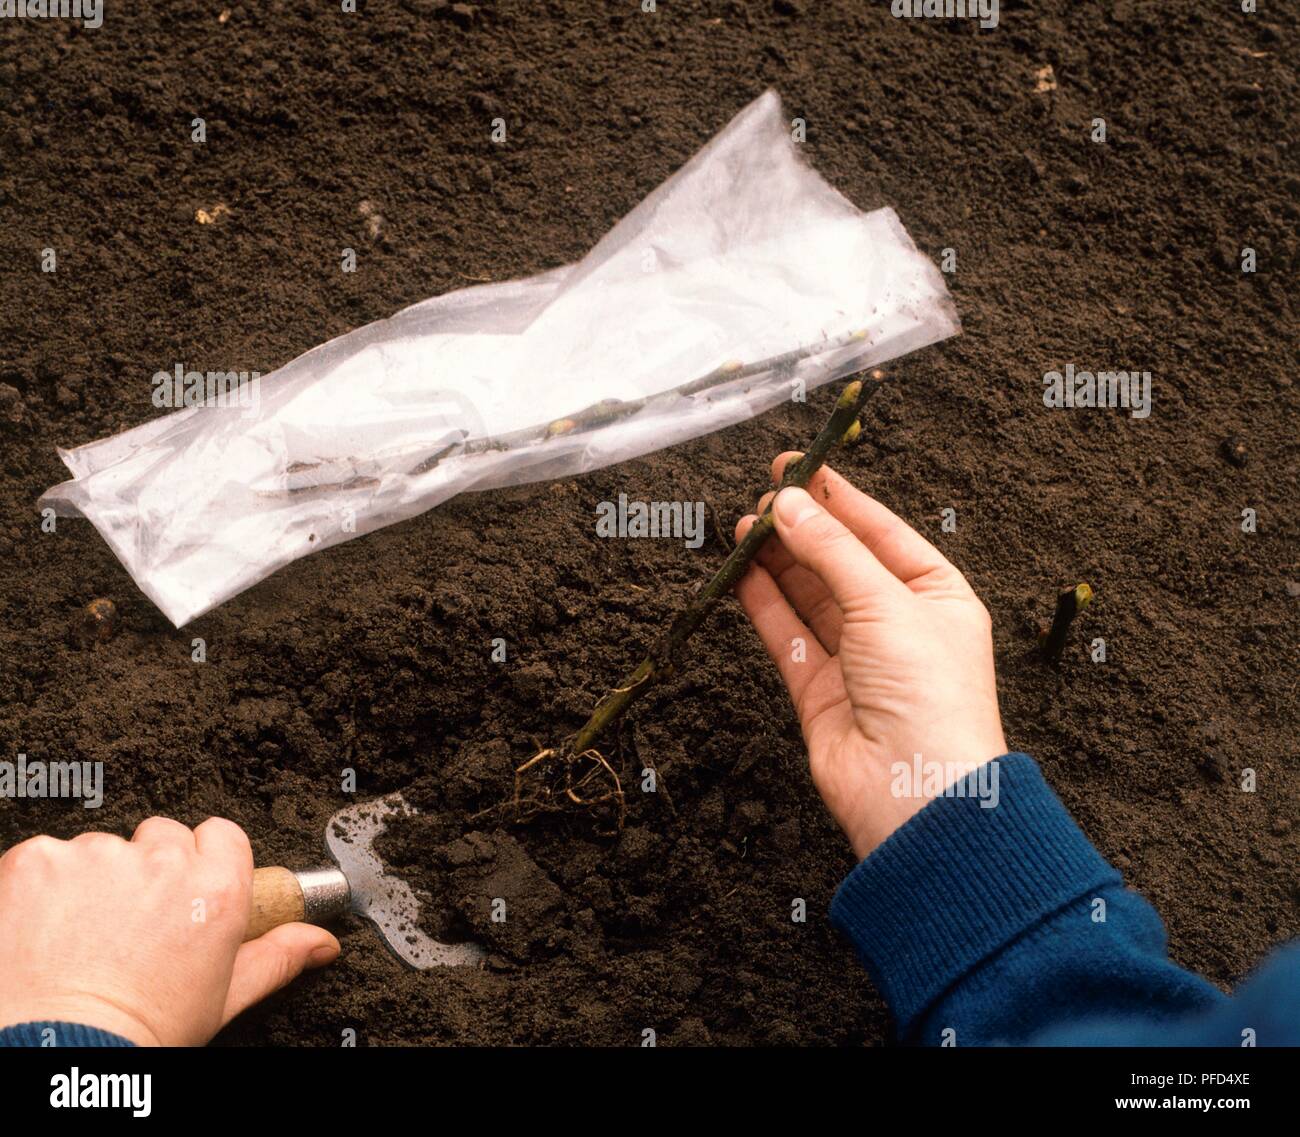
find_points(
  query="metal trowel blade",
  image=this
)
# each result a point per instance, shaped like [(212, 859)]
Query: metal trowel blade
[(387, 901)]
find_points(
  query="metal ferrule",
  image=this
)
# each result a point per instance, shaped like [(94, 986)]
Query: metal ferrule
[(325, 894)]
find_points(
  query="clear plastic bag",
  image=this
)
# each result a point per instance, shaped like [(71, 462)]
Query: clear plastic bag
[(743, 274)]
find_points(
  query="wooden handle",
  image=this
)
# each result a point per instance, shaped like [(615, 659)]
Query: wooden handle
[(277, 899)]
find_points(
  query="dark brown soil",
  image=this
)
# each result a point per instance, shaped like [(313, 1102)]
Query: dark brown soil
[(375, 656)]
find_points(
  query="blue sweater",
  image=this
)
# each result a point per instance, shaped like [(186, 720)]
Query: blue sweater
[(1005, 925)]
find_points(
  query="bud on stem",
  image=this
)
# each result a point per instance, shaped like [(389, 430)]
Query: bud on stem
[(1068, 605)]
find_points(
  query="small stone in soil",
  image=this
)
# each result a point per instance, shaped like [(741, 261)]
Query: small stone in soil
[(1233, 449), (99, 621), (11, 403)]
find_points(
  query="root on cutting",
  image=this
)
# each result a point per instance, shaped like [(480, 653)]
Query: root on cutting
[(557, 780)]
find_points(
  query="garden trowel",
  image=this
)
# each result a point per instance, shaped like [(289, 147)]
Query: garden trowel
[(355, 883)]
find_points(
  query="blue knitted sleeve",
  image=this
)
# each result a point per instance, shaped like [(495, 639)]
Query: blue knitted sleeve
[(984, 925), (48, 1033)]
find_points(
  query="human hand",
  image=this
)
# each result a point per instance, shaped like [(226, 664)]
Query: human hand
[(141, 937), (898, 656)]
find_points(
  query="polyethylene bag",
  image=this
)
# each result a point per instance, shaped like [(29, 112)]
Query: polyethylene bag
[(741, 275)]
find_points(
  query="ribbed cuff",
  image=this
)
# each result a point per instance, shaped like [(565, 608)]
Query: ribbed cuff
[(958, 882), (63, 1034)]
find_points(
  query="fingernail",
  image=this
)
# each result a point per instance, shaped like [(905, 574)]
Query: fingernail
[(795, 455), (794, 506), (322, 955)]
